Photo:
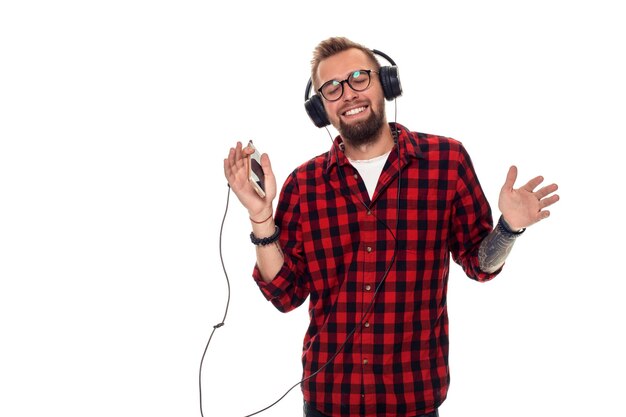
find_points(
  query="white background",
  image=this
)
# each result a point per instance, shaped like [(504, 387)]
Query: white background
[(115, 118)]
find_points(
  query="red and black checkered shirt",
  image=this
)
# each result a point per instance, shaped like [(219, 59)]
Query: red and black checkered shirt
[(338, 247)]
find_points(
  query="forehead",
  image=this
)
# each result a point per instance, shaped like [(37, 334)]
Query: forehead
[(339, 65)]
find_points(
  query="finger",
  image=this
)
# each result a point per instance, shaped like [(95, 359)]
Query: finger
[(532, 184), (227, 170), (248, 150), (238, 156), (545, 191), (243, 161), (236, 164), (544, 214), (230, 168), (231, 157), (547, 202), (511, 176)]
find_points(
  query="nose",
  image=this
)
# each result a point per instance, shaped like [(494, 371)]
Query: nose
[(348, 93)]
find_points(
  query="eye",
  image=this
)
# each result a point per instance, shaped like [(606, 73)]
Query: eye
[(332, 88), (359, 77)]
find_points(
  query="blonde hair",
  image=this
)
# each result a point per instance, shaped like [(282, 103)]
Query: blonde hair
[(333, 46)]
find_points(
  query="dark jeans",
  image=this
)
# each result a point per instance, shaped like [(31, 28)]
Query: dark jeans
[(311, 412)]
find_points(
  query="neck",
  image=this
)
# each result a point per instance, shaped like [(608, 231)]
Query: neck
[(380, 144)]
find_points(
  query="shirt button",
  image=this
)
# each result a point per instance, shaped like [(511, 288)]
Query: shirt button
[(356, 176), (365, 361), (368, 287), (366, 324), (369, 212), (369, 249)]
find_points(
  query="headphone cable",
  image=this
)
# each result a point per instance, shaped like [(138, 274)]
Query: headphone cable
[(367, 310), (220, 324)]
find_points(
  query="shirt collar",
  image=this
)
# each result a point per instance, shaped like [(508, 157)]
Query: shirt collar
[(407, 142)]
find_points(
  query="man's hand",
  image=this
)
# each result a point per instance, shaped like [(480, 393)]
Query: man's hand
[(524, 206), (236, 173)]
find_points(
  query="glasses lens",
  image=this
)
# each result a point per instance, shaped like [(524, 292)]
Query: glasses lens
[(359, 80), (332, 90)]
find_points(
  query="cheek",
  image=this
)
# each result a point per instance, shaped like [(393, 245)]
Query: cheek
[(331, 112), (378, 104)]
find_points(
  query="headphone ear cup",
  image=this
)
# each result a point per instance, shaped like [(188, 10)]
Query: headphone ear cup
[(315, 109), (390, 80)]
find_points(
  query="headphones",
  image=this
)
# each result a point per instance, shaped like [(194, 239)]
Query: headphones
[(389, 79)]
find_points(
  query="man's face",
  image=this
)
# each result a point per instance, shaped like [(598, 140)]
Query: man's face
[(358, 116)]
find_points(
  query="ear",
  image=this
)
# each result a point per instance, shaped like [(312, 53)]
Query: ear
[(390, 80), (315, 109)]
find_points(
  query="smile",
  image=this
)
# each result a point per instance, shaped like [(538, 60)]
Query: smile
[(352, 112)]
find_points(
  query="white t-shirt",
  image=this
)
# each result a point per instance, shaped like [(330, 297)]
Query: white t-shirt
[(370, 170)]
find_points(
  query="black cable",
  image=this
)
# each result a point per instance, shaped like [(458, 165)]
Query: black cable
[(220, 324), (367, 310)]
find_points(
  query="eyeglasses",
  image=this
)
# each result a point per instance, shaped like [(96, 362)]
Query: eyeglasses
[(359, 80)]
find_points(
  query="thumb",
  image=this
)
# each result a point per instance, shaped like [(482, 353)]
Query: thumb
[(511, 176), (266, 164)]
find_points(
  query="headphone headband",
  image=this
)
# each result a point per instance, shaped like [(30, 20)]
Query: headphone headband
[(389, 78), (384, 55)]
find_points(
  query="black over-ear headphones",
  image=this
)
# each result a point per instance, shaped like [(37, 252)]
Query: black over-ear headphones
[(389, 79)]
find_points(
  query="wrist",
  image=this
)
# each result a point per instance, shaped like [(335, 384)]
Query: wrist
[(262, 221), (262, 216), (264, 241), (507, 228)]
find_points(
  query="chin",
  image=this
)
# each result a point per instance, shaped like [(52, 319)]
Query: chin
[(364, 131)]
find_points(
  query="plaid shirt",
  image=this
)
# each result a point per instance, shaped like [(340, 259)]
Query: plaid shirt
[(338, 246)]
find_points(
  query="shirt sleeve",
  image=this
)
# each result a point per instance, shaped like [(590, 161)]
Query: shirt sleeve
[(289, 288), (471, 220)]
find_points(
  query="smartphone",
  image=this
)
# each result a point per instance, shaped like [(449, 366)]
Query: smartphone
[(255, 171)]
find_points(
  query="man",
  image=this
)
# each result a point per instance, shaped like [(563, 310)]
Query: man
[(366, 231)]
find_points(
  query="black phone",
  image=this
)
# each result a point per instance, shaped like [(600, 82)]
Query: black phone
[(255, 171)]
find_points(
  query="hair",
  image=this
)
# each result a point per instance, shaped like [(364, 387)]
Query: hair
[(333, 46)]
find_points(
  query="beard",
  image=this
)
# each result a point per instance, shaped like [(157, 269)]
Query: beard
[(365, 132)]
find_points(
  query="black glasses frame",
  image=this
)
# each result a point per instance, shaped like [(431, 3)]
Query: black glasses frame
[(347, 80)]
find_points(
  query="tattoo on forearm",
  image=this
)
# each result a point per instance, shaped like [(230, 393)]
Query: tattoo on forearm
[(494, 250)]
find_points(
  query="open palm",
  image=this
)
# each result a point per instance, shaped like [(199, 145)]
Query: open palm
[(525, 206)]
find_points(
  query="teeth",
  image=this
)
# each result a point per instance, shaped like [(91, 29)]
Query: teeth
[(355, 111)]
